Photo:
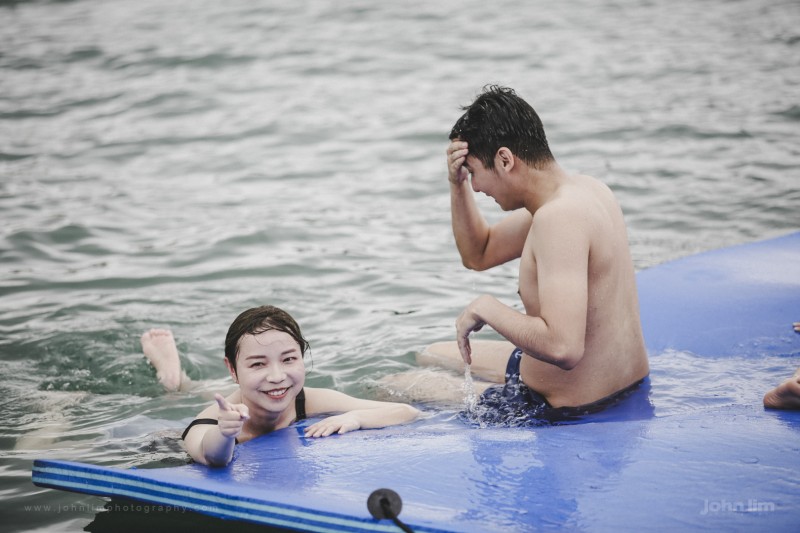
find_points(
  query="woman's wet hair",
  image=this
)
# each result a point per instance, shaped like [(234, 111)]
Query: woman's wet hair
[(258, 320), (499, 118)]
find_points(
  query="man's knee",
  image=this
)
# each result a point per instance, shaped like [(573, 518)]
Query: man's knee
[(438, 352)]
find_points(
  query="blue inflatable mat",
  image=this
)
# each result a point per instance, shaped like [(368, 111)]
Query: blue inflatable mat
[(732, 467)]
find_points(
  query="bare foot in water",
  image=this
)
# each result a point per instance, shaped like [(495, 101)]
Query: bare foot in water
[(160, 349), (787, 394)]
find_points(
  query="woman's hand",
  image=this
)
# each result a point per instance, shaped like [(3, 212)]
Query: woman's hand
[(334, 424), (232, 417)]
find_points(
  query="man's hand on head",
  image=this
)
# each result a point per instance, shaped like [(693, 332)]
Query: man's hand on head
[(457, 152)]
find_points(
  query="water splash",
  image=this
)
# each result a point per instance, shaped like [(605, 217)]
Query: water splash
[(470, 398)]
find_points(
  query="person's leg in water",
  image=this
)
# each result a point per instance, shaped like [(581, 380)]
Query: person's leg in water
[(160, 349), (787, 394), (489, 360)]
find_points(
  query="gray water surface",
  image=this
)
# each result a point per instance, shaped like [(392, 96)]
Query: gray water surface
[(171, 164)]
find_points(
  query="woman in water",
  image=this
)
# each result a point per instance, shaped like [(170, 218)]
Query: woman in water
[(264, 351)]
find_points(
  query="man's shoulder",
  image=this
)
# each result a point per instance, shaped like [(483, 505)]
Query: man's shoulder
[(577, 214), (578, 199), (566, 205)]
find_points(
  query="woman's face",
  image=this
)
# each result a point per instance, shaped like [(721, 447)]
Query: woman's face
[(270, 370)]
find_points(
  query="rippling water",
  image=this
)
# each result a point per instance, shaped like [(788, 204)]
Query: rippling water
[(170, 164)]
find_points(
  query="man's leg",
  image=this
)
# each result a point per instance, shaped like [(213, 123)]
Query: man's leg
[(489, 358), (431, 385), (427, 385)]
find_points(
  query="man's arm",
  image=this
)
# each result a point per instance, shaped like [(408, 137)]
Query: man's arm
[(558, 335), (481, 246)]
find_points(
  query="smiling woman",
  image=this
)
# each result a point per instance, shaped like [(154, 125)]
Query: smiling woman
[(264, 351)]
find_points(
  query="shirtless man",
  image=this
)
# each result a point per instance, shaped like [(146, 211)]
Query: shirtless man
[(579, 340)]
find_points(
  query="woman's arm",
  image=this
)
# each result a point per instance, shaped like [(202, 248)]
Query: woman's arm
[(213, 444), (355, 413)]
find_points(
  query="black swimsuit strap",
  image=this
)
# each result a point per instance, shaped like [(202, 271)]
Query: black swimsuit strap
[(299, 408), (197, 421), (300, 405)]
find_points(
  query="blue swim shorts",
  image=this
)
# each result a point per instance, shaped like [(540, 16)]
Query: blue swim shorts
[(516, 404)]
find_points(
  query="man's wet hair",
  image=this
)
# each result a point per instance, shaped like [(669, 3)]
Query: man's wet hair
[(258, 320), (497, 118)]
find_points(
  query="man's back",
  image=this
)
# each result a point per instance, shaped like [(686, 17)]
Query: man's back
[(583, 214)]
